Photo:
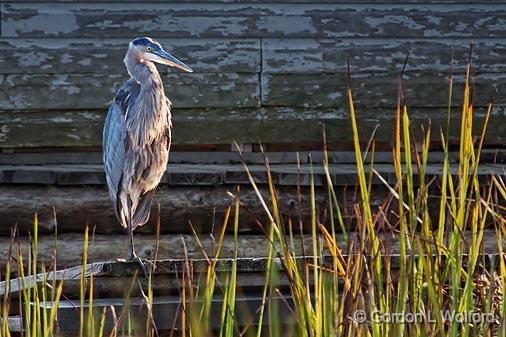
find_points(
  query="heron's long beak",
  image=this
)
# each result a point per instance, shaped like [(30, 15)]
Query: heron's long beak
[(168, 59)]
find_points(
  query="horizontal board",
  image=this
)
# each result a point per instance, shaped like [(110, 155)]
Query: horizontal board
[(94, 91), (381, 55), (252, 20), (103, 288), (69, 248), (224, 126), (278, 55), (214, 174), (377, 90), (80, 56), (208, 90), (218, 157), (262, 1), (204, 206)]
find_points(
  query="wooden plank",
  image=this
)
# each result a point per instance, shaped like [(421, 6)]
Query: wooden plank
[(95, 91), (123, 271), (377, 90), (252, 20), (240, 90), (29, 282), (198, 195), (224, 126), (204, 206), (212, 174), (167, 312), (218, 157), (375, 55), (263, 1), (15, 323), (68, 249), (163, 285), (104, 56)]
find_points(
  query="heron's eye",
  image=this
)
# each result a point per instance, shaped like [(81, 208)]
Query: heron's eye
[(149, 49)]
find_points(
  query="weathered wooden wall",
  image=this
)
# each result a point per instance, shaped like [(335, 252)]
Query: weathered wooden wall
[(271, 72)]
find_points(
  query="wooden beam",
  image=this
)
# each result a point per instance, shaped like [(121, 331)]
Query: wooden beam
[(242, 90), (174, 248), (376, 90), (77, 206), (253, 20), (79, 128), (220, 174), (167, 312), (96, 91), (263, 1), (93, 157), (196, 193), (29, 282), (103, 56), (378, 55)]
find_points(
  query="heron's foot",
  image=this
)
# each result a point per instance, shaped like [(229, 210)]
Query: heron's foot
[(145, 265)]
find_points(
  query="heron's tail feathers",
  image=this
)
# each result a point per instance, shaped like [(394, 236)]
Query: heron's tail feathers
[(142, 211), (140, 215)]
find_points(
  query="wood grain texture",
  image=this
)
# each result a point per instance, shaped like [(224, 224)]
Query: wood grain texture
[(377, 55), (224, 126), (104, 56), (233, 90), (214, 174), (204, 206), (57, 157), (188, 193), (263, 1), (252, 20), (92, 91), (69, 248), (377, 90)]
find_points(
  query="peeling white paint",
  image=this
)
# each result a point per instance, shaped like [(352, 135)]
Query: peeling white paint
[(90, 115), (42, 21), (4, 131), (61, 120), (34, 58), (334, 96), (287, 25), (71, 89), (73, 136), (403, 20), (66, 58), (18, 101), (85, 62)]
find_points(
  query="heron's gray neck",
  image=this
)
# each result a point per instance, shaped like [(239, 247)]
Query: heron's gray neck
[(145, 74), (132, 58)]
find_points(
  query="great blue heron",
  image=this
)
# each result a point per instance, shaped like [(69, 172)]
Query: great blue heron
[(137, 135)]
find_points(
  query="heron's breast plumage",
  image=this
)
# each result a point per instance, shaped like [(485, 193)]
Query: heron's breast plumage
[(148, 130)]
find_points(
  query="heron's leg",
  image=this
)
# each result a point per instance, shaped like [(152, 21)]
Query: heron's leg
[(133, 257), (131, 237), (131, 231)]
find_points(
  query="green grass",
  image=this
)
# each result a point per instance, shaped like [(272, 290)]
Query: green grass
[(429, 276)]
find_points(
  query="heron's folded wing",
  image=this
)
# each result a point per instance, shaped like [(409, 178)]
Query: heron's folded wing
[(114, 148), (142, 211)]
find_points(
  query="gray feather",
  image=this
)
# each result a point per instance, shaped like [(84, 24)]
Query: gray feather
[(114, 148), (136, 144)]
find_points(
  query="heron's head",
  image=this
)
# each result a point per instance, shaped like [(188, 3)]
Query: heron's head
[(151, 50)]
